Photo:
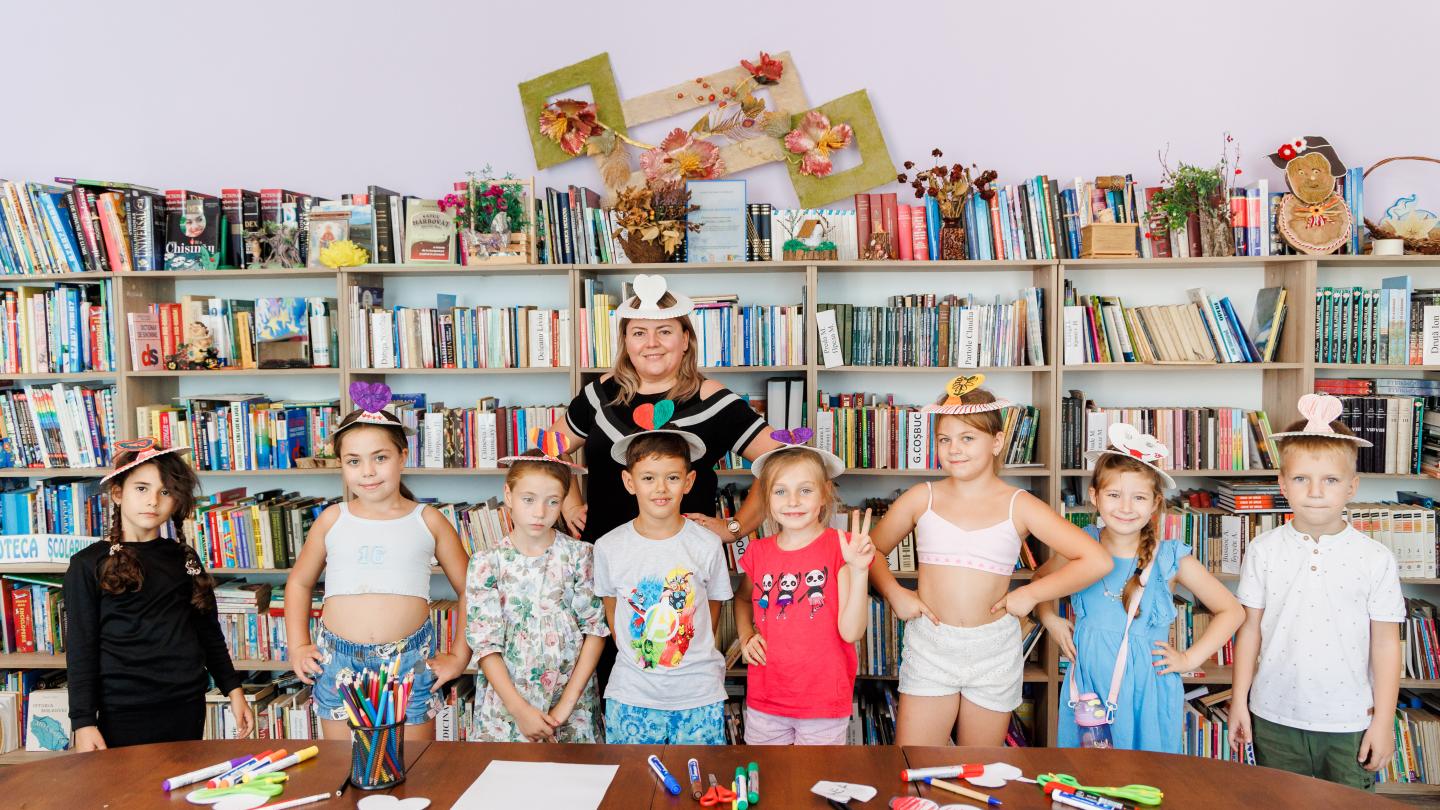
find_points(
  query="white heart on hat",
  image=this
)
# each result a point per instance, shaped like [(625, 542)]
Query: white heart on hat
[(648, 291)]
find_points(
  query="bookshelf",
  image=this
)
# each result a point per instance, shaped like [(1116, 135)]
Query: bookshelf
[(1273, 386)]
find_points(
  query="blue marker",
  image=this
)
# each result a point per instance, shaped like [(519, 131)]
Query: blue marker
[(671, 786)]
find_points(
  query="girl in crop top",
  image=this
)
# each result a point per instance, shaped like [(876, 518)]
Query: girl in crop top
[(961, 666), (375, 550)]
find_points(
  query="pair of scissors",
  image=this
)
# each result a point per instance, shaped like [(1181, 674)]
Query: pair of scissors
[(717, 795), (262, 788), (1140, 794)]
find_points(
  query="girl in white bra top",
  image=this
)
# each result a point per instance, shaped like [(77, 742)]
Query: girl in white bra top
[(376, 551), (961, 674)]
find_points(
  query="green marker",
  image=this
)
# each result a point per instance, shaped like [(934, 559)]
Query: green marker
[(741, 792), (754, 783)]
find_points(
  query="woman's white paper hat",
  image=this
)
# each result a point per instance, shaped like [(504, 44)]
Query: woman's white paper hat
[(1126, 441), (645, 303), (1319, 411)]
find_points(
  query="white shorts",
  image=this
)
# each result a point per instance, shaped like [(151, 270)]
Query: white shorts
[(982, 663)]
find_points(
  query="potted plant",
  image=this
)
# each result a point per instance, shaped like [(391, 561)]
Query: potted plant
[(653, 221), (950, 186), (1203, 192)]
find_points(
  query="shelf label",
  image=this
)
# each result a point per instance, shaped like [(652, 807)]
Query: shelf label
[(41, 548)]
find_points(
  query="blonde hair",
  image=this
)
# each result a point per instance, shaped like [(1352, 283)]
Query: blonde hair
[(1288, 446), (688, 378), (1110, 466), (990, 423), (783, 460)]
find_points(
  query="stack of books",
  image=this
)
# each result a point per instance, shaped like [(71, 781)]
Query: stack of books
[(926, 331), (1250, 496), (1198, 438), (57, 426), (1101, 329), (868, 432), (242, 431), (62, 329)]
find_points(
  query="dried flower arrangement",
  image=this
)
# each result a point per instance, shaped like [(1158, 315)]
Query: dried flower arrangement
[(652, 221), (486, 197), (950, 187)]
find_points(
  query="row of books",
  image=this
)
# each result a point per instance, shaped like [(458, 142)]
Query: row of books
[(469, 438), (732, 334), (60, 329), (1419, 643), (283, 711), (1417, 741), (872, 432), (231, 529), (450, 336), (1217, 538), (201, 331), (1403, 430), (242, 431), (1198, 438), (1391, 325), (1244, 496), (76, 226), (52, 507), (1407, 529), (1207, 727), (923, 331), (1101, 329), (58, 426), (1190, 624), (32, 610)]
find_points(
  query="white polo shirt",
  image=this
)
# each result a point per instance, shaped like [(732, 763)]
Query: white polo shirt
[(1319, 598)]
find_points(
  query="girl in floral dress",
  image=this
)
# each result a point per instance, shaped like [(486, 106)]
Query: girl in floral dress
[(532, 616)]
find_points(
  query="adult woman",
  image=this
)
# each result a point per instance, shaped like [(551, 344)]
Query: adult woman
[(657, 361)]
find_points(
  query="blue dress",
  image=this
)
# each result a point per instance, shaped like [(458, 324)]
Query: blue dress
[(1149, 709)]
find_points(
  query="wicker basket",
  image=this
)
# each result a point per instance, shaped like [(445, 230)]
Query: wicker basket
[(1431, 244)]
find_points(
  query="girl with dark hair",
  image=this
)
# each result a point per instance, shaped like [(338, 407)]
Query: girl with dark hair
[(142, 630), (375, 550)]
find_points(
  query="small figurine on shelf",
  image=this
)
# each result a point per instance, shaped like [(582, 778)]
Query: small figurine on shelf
[(879, 248), (6, 459), (1314, 219), (197, 352), (281, 242)]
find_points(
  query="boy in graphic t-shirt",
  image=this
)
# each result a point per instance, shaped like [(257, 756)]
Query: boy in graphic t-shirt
[(662, 579)]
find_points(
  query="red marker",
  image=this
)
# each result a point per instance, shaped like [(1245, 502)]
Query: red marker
[(944, 772)]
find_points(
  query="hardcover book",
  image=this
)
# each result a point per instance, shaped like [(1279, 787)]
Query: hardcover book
[(192, 235), (429, 233)]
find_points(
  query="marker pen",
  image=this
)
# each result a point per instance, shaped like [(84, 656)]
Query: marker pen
[(1068, 799), (671, 786), (694, 768), (281, 764), (742, 794), (215, 783), (754, 781), (192, 777), (1085, 795), (942, 772)]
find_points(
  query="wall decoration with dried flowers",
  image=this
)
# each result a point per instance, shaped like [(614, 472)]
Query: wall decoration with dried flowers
[(651, 221), (814, 139)]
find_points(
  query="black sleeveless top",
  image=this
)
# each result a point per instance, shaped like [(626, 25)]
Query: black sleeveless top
[(723, 421)]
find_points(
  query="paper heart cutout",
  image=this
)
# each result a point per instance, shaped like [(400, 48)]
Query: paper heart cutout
[(996, 775), (664, 409), (1319, 411), (370, 397), (644, 416), (843, 791), (1127, 439), (392, 803), (648, 290), (912, 803)]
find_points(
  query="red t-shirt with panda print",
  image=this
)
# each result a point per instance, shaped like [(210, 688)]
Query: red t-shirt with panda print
[(809, 671)]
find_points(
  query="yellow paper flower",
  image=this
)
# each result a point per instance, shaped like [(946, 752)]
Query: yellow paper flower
[(343, 253)]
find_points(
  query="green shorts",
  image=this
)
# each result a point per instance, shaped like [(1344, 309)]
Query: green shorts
[(1328, 755)]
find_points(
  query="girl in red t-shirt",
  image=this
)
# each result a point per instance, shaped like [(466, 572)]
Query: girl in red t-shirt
[(807, 604)]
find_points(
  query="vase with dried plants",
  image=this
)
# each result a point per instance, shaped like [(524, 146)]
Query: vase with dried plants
[(1203, 192), (950, 187), (652, 221)]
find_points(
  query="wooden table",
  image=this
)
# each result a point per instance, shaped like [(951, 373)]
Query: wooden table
[(127, 778), (1188, 782)]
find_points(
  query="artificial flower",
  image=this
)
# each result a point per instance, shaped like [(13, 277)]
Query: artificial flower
[(681, 157), (815, 139), (570, 123), (1286, 152), (343, 253), (767, 72)]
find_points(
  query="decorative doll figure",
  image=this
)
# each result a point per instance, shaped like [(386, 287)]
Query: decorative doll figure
[(1313, 217)]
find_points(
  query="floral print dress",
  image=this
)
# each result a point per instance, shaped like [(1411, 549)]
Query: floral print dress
[(535, 612)]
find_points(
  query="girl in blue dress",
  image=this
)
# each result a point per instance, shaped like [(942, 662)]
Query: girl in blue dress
[(1128, 489)]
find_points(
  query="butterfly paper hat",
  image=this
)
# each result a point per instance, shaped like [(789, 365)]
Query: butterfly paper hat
[(1126, 441), (645, 303), (651, 418), (955, 392), (145, 448), (370, 400), (1319, 411), (552, 443), (797, 438)]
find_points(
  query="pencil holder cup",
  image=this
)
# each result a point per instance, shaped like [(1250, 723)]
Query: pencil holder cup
[(377, 756)]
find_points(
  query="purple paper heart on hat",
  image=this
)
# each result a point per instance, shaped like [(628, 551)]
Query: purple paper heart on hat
[(370, 397), (799, 435)]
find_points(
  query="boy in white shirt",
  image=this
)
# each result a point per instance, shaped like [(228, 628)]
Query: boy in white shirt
[(1322, 615)]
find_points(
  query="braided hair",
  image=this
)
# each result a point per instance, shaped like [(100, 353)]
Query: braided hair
[(1109, 466), (120, 570)]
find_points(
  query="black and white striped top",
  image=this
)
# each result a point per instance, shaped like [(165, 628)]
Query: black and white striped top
[(723, 421)]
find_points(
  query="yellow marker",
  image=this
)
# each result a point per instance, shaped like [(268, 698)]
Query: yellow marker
[(281, 764)]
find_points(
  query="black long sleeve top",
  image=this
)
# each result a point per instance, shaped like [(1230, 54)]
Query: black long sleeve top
[(143, 648)]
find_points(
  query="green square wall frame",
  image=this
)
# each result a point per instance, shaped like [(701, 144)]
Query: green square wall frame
[(596, 73), (875, 169)]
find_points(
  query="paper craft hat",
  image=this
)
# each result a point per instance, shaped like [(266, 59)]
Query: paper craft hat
[(797, 438), (145, 448), (645, 303), (955, 391), (1290, 150), (650, 418), (1126, 441), (370, 400), (550, 442), (1319, 411)]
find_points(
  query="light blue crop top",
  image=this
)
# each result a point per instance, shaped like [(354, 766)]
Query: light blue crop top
[(379, 556)]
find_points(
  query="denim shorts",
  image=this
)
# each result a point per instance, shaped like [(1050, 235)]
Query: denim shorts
[(636, 725), (342, 660)]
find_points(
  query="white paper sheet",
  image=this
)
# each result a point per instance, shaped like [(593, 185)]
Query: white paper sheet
[(505, 785)]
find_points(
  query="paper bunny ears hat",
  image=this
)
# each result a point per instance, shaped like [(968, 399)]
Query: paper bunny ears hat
[(650, 418), (1128, 442), (145, 448), (797, 438), (550, 442), (370, 400), (1319, 411), (645, 303), (955, 392)]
